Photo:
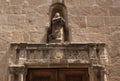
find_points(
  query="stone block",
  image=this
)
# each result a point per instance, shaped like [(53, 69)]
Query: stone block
[(99, 11), (92, 11), (26, 37), (26, 9), (36, 37), (114, 55), (104, 30), (116, 3), (42, 30), (115, 37), (5, 36), (87, 2), (114, 29), (1, 9), (95, 21), (78, 35), (5, 39), (3, 66), (29, 28), (93, 30), (43, 10), (18, 20), (20, 27), (77, 22), (77, 31), (12, 9), (57, 1), (72, 3), (114, 71), (4, 2), (16, 2), (7, 28), (105, 3), (112, 21), (96, 38), (114, 11), (73, 11), (17, 37), (4, 45), (38, 2), (81, 38), (84, 11), (3, 19), (34, 18), (87, 11)]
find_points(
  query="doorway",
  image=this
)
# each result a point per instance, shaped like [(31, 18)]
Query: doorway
[(57, 75)]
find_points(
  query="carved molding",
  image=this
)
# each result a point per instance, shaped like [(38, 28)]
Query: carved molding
[(58, 55), (17, 72), (91, 53)]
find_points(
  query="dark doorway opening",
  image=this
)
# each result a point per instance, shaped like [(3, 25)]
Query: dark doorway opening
[(57, 75)]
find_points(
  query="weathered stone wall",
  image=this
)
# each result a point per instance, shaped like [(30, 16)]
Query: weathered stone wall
[(89, 21)]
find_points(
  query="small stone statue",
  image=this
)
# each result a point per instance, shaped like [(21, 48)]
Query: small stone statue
[(57, 28)]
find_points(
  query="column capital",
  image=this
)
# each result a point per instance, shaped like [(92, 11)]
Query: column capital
[(17, 69)]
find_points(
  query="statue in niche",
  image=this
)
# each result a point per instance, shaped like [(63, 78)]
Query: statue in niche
[(58, 23)]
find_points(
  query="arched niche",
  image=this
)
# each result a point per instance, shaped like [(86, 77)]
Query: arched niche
[(58, 8)]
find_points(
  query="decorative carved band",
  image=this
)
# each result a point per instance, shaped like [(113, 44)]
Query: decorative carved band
[(56, 53)]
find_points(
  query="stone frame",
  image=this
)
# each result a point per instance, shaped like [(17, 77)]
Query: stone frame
[(97, 71), (21, 71)]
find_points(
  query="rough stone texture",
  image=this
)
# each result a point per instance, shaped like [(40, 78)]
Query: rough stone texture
[(88, 21)]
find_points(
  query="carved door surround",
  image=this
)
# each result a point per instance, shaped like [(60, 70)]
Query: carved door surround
[(92, 56)]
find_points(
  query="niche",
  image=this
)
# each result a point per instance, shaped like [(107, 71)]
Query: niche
[(58, 31)]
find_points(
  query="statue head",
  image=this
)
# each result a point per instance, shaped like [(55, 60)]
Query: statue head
[(57, 14)]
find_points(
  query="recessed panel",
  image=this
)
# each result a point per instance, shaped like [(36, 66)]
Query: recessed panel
[(57, 75)]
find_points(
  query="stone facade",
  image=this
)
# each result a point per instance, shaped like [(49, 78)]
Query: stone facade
[(89, 21)]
